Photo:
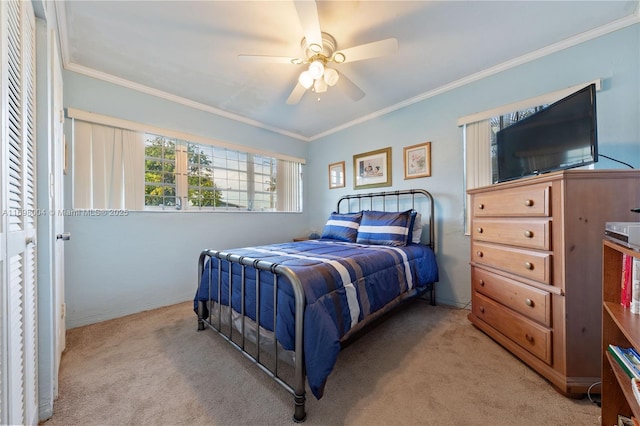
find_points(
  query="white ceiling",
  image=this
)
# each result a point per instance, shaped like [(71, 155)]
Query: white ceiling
[(188, 51)]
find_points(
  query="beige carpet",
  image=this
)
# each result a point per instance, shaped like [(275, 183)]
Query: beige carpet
[(425, 365)]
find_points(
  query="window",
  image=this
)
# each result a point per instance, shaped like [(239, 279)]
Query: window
[(181, 174), (498, 123), (175, 171), (159, 171)]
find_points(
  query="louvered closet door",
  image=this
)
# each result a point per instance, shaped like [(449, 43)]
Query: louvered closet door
[(18, 223)]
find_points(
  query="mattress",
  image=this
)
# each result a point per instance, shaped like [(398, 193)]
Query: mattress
[(344, 285)]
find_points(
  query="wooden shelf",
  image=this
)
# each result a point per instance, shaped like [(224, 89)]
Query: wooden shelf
[(622, 377), (620, 327), (628, 323)]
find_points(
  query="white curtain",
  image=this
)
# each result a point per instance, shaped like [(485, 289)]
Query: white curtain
[(288, 180), (477, 140), (108, 167)]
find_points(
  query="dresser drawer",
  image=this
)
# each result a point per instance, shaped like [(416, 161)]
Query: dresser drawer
[(532, 200), (530, 233), (526, 263), (531, 336), (529, 301)]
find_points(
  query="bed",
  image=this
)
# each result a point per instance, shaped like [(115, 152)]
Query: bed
[(291, 307)]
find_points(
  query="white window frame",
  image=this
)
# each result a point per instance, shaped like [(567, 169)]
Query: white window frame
[(286, 202)]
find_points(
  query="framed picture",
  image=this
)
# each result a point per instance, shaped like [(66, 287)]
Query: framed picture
[(417, 160), (336, 175), (372, 169)]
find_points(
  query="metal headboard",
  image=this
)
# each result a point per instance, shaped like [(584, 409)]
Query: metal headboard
[(411, 194)]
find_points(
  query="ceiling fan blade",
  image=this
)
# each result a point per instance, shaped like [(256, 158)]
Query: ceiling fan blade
[(350, 88), (266, 59), (308, 16), (296, 94), (370, 50)]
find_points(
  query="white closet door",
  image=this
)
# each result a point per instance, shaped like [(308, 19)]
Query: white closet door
[(59, 154), (18, 221)]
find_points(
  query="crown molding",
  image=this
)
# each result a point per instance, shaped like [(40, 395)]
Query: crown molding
[(89, 72), (553, 48), (178, 99)]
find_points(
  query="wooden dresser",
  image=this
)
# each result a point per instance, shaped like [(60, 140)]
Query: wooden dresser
[(536, 267)]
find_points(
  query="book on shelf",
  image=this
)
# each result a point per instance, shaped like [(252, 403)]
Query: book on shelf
[(635, 286), (625, 421), (628, 359), (635, 385), (625, 281)]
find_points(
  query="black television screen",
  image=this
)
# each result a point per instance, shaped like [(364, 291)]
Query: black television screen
[(560, 136)]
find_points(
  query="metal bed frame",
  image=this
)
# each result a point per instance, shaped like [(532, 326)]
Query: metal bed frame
[(297, 388)]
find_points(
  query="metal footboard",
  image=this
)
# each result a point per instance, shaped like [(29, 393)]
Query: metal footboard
[(225, 319), (297, 388)]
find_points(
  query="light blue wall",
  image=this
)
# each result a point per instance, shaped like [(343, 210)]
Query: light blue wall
[(116, 266), (119, 266), (614, 57)]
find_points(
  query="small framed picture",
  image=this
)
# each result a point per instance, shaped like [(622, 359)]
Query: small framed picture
[(336, 175), (417, 160), (372, 169)]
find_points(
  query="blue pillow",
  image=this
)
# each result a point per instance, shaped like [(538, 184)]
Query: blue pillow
[(342, 227), (384, 228)]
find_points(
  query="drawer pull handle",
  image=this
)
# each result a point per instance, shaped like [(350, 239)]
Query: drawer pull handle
[(482, 310), (479, 254), (528, 203), (481, 283), (480, 230), (480, 206), (529, 338), (528, 265), (528, 234), (529, 302)]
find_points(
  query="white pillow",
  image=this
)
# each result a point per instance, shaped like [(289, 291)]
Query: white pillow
[(417, 229)]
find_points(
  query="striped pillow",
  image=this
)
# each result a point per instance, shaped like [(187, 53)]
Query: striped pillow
[(342, 227), (384, 228)]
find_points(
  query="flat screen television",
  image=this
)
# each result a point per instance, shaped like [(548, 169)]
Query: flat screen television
[(560, 136)]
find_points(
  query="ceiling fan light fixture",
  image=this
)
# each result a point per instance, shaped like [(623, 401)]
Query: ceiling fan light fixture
[(331, 76), (320, 86), (316, 69), (305, 79), (339, 58), (297, 61), (315, 48)]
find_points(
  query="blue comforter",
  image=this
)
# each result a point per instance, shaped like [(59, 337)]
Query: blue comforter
[(343, 283)]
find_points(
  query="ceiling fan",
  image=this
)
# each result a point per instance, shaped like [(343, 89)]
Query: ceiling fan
[(319, 51)]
